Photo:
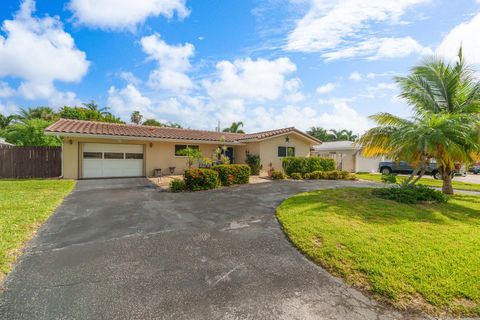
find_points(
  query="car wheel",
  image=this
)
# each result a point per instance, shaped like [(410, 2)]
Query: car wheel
[(437, 175), (386, 171)]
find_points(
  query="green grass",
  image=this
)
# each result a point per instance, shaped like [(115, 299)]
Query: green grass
[(24, 206), (423, 256), (458, 185)]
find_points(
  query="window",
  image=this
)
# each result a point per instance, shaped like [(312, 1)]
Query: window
[(92, 155), (133, 155), (180, 147), (286, 151), (113, 155)]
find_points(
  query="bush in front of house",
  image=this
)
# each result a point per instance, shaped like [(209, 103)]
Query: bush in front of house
[(389, 178), (277, 175), (296, 176), (331, 175), (253, 162), (411, 194), (230, 174), (177, 185), (304, 165), (200, 179)]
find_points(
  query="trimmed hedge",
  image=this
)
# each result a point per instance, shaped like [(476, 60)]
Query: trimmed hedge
[(410, 194), (201, 179), (304, 165), (331, 175), (278, 175), (230, 174), (177, 185), (296, 176)]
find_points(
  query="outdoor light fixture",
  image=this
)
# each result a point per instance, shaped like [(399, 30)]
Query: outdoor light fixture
[(287, 139), (151, 144), (70, 141)]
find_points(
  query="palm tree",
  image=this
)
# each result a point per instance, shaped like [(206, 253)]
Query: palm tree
[(446, 137), (173, 125), (348, 135), (93, 106), (44, 113), (136, 117), (235, 127), (5, 121), (446, 124), (319, 133)]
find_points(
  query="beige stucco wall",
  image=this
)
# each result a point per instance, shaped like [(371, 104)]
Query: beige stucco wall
[(268, 150), (160, 155)]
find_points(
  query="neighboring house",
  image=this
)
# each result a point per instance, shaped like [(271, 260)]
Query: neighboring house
[(347, 156), (99, 149), (3, 142)]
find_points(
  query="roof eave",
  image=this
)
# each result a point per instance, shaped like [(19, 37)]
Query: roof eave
[(134, 138)]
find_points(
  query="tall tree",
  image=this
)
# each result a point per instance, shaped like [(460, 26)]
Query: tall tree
[(153, 122), (136, 117), (320, 133), (446, 123), (93, 106), (173, 125), (5, 121), (235, 127), (29, 132), (45, 113), (348, 135)]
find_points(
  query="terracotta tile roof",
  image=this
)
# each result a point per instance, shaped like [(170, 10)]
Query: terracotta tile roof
[(68, 126)]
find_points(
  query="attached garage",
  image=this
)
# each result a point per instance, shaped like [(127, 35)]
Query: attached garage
[(102, 160)]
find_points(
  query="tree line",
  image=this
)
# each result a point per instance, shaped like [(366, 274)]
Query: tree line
[(26, 127)]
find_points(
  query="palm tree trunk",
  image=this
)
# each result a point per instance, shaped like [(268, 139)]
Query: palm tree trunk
[(447, 186)]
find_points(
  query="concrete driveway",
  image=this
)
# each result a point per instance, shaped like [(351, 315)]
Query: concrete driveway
[(120, 249)]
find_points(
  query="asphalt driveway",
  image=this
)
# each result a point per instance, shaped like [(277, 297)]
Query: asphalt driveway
[(121, 249)]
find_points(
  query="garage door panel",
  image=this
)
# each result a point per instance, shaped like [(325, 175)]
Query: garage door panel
[(113, 161)]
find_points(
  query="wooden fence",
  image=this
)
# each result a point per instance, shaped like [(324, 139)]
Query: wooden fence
[(30, 162)]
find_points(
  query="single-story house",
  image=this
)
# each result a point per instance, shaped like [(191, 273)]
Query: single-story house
[(99, 149), (347, 156)]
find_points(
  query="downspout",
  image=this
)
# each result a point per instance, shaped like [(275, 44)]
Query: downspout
[(61, 156)]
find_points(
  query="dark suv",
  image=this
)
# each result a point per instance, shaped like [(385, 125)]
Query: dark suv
[(387, 167)]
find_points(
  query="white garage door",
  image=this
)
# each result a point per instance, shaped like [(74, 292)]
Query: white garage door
[(101, 160)]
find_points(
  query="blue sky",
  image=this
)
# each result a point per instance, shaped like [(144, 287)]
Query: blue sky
[(270, 64)]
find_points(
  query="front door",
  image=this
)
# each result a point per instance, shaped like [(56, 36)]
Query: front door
[(229, 154)]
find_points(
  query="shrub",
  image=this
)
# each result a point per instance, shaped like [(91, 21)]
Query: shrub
[(410, 194), (201, 179), (253, 162), (177, 185), (331, 175), (389, 178), (304, 165), (296, 176), (277, 175), (229, 174)]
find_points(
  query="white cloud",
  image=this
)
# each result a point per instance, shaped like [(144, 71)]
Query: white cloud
[(6, 91), (129, 77), (293, 93), (330, 26), (341, 116), (124, 14), (355, 76), (328, 87), (379, 48), (39, 52), (124, 101), (173, 63), (465, 34), (257, 80)]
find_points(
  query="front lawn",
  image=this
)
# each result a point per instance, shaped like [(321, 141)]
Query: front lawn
[(24, 206), (458, 185), (423, 256)]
